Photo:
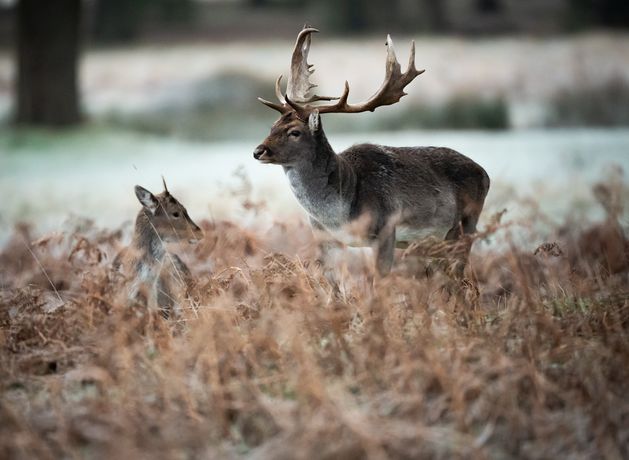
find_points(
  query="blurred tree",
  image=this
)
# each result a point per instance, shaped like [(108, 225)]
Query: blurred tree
[(47, 62)]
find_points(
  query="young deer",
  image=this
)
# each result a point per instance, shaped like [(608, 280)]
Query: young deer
[(403, 193), (155, 275)]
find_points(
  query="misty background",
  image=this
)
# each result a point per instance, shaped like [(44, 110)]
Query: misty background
[(96, 96)]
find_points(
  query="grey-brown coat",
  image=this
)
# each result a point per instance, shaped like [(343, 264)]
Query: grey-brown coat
[(156, 277), (369, 194)]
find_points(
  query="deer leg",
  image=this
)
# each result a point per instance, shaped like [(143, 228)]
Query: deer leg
[(165, 300), (325, 247), (454, 233), (466, 226), (323, 239), (384, 250), (457, 266)]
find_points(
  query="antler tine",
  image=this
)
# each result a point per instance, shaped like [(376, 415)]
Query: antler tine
[(392, 66), (343, 99), (299, 84), (164, 182), (281, 108), (391, 90), (411, 70), (278, 89), (411, 60), (340, 106)]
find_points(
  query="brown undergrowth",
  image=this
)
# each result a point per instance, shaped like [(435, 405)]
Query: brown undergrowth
[(527, 357)]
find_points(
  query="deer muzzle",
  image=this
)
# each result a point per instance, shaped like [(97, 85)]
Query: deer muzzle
[(196, 234), (262, 153)]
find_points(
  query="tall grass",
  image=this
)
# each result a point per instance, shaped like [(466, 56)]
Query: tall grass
[(529, 357)]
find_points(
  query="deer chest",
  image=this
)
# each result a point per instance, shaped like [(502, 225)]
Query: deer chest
[(319, 199)]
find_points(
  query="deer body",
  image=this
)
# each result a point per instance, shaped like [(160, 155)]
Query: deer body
[(385, 182), (369, 194), (399, 194), (156, 276)]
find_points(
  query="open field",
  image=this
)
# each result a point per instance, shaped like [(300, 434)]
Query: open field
[(529, 357), (273, 358), (53, 179)]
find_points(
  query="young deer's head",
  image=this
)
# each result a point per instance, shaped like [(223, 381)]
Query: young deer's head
[(167, 217), (297, 134)]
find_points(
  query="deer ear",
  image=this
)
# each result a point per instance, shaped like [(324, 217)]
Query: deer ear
[(146, 199), (314, 121)]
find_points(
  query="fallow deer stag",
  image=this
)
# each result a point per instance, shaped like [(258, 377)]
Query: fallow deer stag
[(157, 278), (403, 193)]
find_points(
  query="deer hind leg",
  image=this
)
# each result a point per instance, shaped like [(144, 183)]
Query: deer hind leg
[(384, 249), (461, 246)]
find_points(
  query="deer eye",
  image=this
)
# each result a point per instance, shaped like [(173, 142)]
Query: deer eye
[(176, 215), (294, 133)]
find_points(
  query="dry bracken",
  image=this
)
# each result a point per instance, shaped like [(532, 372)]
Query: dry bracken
[(272, 359)]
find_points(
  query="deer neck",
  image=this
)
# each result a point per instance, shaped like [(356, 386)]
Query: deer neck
[(323, 186), (146, 241)]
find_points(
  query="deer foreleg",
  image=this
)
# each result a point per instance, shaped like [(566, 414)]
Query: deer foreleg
[(384, 250)]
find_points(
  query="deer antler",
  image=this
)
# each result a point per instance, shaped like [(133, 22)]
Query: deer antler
[(390, 92), (299, 84)]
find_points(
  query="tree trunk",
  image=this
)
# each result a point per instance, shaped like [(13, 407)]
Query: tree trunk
[(47, 62)]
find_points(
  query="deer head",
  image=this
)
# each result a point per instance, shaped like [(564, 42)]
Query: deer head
[(292, 140), (167, 217), (300, 125)]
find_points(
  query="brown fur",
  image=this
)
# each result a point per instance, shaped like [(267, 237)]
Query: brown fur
[(156, 277), (420, 188)]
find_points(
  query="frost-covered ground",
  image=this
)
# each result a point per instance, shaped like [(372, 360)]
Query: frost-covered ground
[(46, 178)]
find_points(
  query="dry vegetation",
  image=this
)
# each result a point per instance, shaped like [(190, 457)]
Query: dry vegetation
[(272, 360)]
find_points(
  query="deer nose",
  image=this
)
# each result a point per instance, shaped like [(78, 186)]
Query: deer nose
[(197, 234), (259, 151)]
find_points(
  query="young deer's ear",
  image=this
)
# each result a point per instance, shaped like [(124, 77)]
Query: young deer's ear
[(146, 198), (314, 121)]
